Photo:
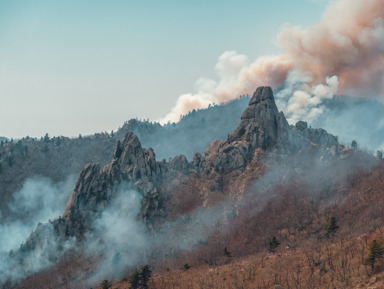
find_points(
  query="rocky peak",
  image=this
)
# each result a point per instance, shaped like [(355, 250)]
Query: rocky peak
[(262, 125), (135, 162), (262, 128), (263, 94), (94, 188)]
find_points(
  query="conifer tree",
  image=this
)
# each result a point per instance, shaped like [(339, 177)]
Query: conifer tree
[(145, 275), (105, 284), (376, 251), (134, 279), (273, 244), (331, 227), (140, 278), (227, 252)]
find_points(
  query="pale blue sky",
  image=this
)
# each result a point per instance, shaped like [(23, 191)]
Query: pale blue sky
[(70, 67)]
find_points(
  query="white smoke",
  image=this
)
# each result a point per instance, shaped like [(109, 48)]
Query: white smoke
[(38, 201), (305, 101), (343, 53), (119, 236), (123, 241)]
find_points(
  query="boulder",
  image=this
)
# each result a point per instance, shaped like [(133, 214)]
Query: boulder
[(301, 125)]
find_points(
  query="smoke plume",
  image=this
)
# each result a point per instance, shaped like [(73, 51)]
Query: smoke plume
[(342, 54), (123, 241), (119, 236), (38, 201)]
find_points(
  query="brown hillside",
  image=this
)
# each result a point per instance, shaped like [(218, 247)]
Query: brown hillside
[(267, 179)]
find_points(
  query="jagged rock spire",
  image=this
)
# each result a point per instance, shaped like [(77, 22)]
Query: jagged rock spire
[(261, 123), (262, 126)]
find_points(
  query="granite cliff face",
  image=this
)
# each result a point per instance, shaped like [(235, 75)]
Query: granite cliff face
[(262, 127)]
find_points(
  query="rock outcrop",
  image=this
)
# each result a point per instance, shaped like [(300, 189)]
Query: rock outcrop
[(94, 188), (262, 127), (174, 188)]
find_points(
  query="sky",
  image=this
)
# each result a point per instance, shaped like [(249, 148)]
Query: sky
[(80, 67)]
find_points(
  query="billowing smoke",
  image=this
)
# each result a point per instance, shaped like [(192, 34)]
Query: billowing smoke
[(123, 241), (343, 54), (38, 201), (237, 77), (119, 236), (301, 101)]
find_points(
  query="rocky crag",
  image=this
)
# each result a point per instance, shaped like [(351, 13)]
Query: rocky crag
[(263, 133), (58, 157), (262, 127)]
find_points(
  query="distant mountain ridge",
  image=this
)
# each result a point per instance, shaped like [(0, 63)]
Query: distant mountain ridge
[(58, 157), (171, 189), (262, 127), (263, 179)]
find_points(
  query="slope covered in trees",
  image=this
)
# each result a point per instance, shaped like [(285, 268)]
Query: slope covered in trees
[(59, 157), (268, 190)]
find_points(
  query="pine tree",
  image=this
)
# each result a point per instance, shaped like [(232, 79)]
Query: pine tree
[(134, 279), (140, 278), (273, 244), (145, 275), (227, 252), (331, 227), (376, 251), (105, 284)]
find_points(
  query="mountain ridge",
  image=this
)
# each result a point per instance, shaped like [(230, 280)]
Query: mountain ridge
[(263, 159), (262, 126)]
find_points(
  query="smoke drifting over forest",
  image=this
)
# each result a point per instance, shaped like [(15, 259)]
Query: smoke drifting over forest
[(38, 201), (342, 54)]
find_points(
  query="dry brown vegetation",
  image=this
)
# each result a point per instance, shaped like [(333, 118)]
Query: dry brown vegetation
[(334, 263), (69, 273), (294, 210)]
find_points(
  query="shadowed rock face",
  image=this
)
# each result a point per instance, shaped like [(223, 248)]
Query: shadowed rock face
[(94, 188), (262, 127)]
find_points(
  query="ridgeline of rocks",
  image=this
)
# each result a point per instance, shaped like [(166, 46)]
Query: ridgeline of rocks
[(263, 136), (262, 127)]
